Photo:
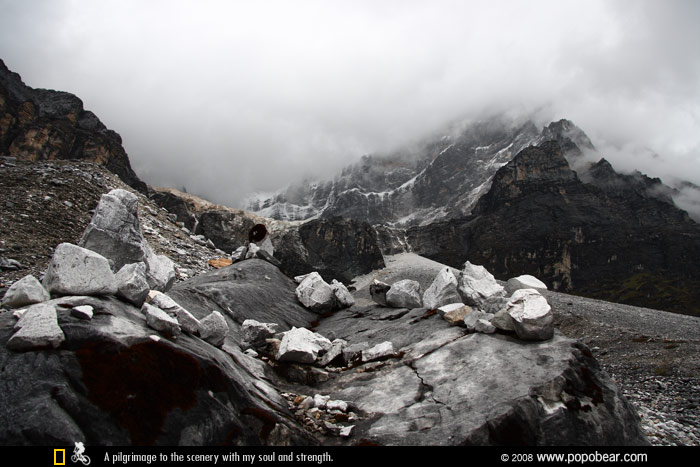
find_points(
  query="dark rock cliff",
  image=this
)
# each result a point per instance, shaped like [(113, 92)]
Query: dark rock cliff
[(618, 237), (41, 124)]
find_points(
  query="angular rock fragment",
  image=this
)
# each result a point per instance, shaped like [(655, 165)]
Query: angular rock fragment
[(84, 312), (525, 281), (213, 328), (256, 333), (531, 315), (456, 316), (26, 291), (334, 352), (471, 319), (315, 293), (442, 291), (476, 285), (343, 296), (37, 328), (404, 294), (132, 284), (77, 271), (160, 321), (378, 291), (187, 321), (302, 346), (378, 352)]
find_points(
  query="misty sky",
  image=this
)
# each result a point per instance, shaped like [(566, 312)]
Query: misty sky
[(231, 97)]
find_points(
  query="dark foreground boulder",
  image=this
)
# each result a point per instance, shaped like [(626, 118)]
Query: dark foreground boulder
[(115, 381)]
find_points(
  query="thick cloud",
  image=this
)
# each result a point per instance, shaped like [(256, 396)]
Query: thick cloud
[(226, 98)]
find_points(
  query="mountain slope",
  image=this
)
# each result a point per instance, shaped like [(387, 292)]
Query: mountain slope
[(616, 238), (42, 124), (441, 178)]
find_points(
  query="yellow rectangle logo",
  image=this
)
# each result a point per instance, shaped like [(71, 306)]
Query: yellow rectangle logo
[(59, 457)]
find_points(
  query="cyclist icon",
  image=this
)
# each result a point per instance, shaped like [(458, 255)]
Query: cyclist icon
[(78, 454)]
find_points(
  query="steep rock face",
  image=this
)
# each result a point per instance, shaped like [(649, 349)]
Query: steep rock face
[(40, 124), (442, 178), (619, 243), (337, 248)]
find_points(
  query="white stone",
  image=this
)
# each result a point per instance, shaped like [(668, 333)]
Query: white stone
[(450, 307), (301, 345), (187, 321), (19, 313), (38, 328), (337, 405), (404, 294), (26, 291), (342, 294), (132, 284), (525, 281), (77, 271), (320, 402), (251, 353), (442, 291), (161, 273), (160, 321), (307, 403), (531, 315), (238, 253), (379, 351), (484, 326), (82, 312), (213, 328), (316, 294), (346, 431), (476, 285), (252, 250), (300, 279)]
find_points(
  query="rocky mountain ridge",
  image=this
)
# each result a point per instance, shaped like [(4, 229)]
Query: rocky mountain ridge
[(43, 124)]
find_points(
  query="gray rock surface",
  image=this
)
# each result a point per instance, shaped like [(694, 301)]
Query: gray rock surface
[(77, 271), (25, 291), (382, 350), (132, 284), (37, 328), (404, 294)]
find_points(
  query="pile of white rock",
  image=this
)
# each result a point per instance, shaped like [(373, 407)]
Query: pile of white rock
[(475, 300), (141, 277), (301, 345), (319, 296)]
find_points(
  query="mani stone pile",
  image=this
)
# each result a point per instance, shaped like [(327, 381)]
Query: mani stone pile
[(113, 259)]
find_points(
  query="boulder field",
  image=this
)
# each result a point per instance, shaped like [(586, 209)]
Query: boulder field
[(239, 356)]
